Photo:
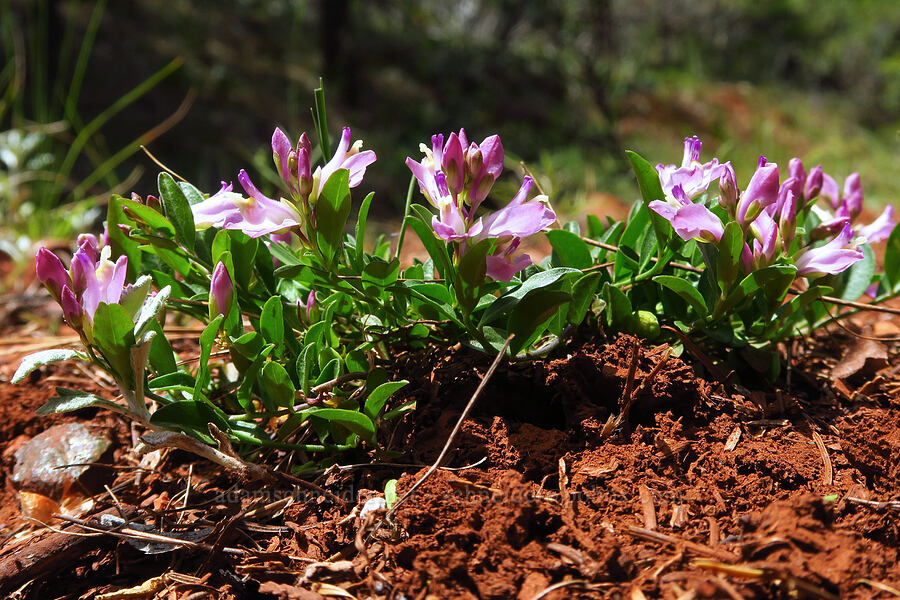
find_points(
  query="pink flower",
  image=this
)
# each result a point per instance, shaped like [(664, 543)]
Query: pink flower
[(256, 215)]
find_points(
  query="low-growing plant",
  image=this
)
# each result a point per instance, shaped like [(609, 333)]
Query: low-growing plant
[(302, 318)]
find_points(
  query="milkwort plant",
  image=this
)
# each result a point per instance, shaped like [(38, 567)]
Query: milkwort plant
[(301, 319)]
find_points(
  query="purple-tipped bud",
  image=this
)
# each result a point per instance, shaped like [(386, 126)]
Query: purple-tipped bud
[(72, 311), (760, 193), (474, 163), (88, 243), (307, 307), (728, 189), (51, 272), (692, 147), (830, 190), (787, 219), (153, 202), (852, 185), (304, 142), (813, 183), (281, 150), (221, 291), (791, 185), (796, 170), (304, 175), (81, 269), (136, 198), (452, 164)]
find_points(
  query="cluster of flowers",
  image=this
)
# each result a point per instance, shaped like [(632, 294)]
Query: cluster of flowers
[(767, 212), (456, 177), (91, 278)]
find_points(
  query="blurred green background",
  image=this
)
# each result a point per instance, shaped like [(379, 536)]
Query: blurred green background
[(568, 84)]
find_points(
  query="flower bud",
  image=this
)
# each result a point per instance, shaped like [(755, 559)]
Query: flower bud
[(796, 170), (153, 202), (221, 292), (830, 190), (787, 220), (728, 189), (51, 272), (304, 143), (304, 177), (281, 150), (761, 192), (474, 163), (88, 243), (72, 311), (307, 307), (813, 183), (452, 164)]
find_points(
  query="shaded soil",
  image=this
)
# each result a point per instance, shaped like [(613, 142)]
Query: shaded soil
[(707, 490)]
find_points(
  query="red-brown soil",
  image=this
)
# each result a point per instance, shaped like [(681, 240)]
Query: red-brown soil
[(706, 491)]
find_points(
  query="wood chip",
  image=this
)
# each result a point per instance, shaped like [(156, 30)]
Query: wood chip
[(649, 510), (733, 439)]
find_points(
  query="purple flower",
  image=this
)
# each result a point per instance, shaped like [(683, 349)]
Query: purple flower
[(346, 156), (521, 217), (830, 190), (469, 170), (256, 215), (787, 220), (72, 311), (689, 220), (880, 229), (796, 170), (104, 282), (852, 200), (813, 185), (307, 306), (693, 177), (502, 264), (51, 272), (760, 193), (221, 291), (829, 259)]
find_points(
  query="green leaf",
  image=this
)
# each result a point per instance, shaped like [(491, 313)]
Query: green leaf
[(859, 276), (177, 380), (114, 335), (381, 273), (276, 387), (379, 397), (191, 417), (420, 221), (583, 294), (193, 195), (355, 421), (730, 247), (332, 210), (162, 357), (618, 307), (271, 322), (390, 493), (44, 357), (651, 189), (531, 315), (148, 218), (892, 260), (68, 400), (177, 209), (150, 310), (686, 290), (569, 250), (361, 219), (207, 339), (118, 240), (305, 365)]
